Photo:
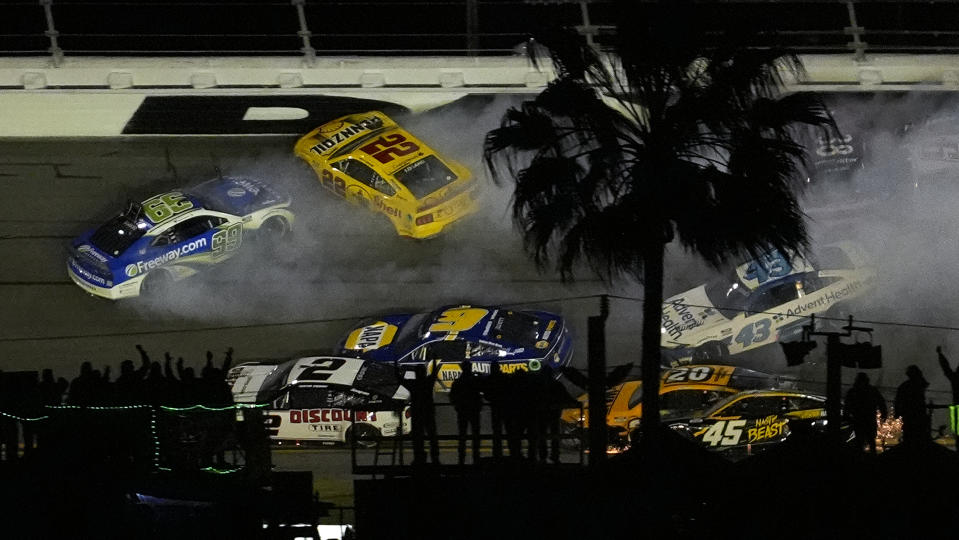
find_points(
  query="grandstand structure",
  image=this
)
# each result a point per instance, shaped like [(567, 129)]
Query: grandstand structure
[(122, 44)]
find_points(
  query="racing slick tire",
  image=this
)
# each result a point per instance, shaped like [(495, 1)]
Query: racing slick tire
[(156, 284), (711, 351), (273, 231), (363, 435)]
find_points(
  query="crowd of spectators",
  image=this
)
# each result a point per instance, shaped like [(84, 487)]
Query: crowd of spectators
[(25, 400)]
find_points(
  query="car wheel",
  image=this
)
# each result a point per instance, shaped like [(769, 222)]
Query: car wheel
[(363, 435), (274, 230), (155, 284), (711, 351)]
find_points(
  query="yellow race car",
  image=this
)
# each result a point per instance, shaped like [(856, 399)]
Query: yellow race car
[(683, 392), (370, 161)]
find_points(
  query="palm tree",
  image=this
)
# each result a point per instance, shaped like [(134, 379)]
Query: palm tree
[(666, 137)]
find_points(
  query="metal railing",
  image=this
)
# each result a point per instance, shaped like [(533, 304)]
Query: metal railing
[(324, 28)]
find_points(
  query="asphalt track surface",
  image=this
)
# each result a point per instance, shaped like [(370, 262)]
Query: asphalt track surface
[(342, 264)]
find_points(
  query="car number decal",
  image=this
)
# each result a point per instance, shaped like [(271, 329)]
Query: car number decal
[(227, 240), (724, 433), (756, 332), (162, 208), (320, 369), (457, 320), (769, 265), (389, 147), (693, 374)]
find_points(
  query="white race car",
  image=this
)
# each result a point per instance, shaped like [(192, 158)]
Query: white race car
[(762, 302), (325, 399)]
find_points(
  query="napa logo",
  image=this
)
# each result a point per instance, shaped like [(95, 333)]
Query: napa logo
[(371, 337)]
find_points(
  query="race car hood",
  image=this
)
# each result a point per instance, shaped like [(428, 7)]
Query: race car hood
[(376, 339), (685, 312), (327, 139)]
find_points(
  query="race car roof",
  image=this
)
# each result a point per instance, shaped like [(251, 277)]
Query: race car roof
[(393, 336)]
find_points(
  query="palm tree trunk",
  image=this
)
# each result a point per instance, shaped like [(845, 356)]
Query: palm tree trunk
[(652, 336)]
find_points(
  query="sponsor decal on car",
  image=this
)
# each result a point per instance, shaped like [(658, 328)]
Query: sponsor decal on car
[(92, 252), (685, 319), (139, 267), (826, 298), (371, 337), (314, 416), (345, 134)]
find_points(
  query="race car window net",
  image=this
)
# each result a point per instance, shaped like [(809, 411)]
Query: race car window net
[(117, 235), (756, 407), (364, 174), (727, 294), (425, 176), (683, 403), (314, 397), (377, 378)]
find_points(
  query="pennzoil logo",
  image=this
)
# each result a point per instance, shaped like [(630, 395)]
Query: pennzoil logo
[(371, 337), (345, 133)]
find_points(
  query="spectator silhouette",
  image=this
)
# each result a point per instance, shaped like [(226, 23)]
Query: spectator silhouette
[(421, 408), (910, 404), (213, 380), (83, 386), (494, 389), (467, 400), (863, 400), (556, 399), (155, 385), (517, 411)]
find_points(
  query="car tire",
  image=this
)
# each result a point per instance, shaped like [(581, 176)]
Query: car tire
[(156, 284), (363, 435), (274, 231), (711, 351)]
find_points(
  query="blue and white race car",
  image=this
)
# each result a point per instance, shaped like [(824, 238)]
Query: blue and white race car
[(516, 340), (173, 235)]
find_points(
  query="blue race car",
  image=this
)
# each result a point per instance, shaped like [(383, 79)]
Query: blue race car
[(516, 340), (173, 235)]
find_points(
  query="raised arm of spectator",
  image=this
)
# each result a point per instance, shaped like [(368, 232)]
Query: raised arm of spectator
[(179, 368), (944, 364), (144, 359)]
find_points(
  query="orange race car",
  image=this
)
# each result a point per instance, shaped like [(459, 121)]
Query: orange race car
[(370, 161), (684, 391)]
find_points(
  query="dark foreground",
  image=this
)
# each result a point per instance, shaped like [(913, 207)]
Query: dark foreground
[(801, 489)]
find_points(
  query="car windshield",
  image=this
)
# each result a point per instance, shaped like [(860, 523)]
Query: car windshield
[(727, 294), (425, 176), (377, 378), (516, 328), (317, 396), (410, 333), (118, 234)]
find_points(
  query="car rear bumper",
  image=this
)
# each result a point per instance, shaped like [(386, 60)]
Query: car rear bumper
[(86, 281)]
